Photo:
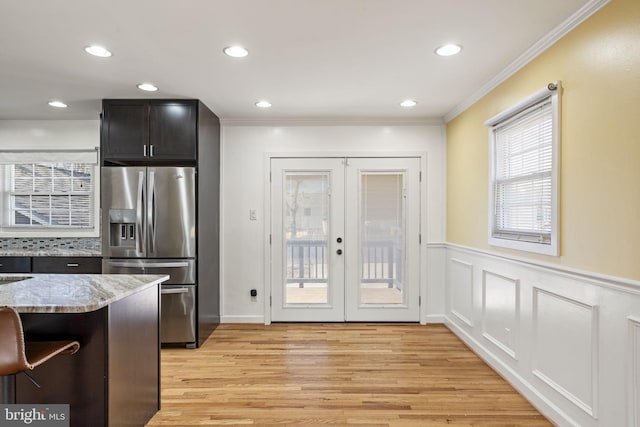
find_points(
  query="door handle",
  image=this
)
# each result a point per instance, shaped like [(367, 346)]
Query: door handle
[(174, 291), (339, 251), (139, 212), (151, 212), (135, 264)]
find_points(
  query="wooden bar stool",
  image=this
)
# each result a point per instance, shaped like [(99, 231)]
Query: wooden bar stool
[(18, 356)]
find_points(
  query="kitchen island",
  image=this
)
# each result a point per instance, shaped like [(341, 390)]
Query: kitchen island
[(114, 379)]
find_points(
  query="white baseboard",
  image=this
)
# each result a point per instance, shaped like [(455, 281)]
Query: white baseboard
[(242, 319), (435, 318)]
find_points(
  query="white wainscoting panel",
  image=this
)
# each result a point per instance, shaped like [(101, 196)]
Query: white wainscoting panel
[(460, 278), (573, 342), (634, 372), (565, 335), (501, 311)]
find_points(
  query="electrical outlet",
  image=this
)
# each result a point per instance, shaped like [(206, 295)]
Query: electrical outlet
[(253, 214)]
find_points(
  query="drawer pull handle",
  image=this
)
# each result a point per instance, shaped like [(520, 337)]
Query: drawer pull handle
[(73, 264)]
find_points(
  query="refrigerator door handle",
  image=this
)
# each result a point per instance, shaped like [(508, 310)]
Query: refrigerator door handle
[(139, 264), (174, 291), (139, 214), (151, 212)]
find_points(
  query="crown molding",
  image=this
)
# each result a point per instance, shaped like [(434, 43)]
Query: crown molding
[(337, 121), (536, 49)]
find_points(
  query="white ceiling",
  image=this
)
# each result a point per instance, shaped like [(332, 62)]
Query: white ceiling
[(312, 59)]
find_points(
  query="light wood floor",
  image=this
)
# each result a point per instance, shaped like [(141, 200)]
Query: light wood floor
[(336, 374)]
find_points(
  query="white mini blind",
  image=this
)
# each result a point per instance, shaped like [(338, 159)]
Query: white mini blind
[(48, 190), (51, 195), (523, 156), (11, 157)]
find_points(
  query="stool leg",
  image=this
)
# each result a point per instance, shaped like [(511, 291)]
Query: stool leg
[(8, 389)]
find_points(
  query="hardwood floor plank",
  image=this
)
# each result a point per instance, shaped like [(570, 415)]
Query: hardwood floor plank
[(336, 374)]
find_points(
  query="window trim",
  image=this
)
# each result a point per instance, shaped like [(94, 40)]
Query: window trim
[(87, 156), (551, 92)]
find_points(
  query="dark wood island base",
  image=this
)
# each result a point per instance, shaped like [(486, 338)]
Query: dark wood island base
[(114, 379)]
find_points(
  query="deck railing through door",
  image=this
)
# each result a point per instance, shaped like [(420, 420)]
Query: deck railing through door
[(307, 262)]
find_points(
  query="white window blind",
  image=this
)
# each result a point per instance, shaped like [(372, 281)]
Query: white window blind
[(49, 190), (522, 185), (51, 195), (524, 176)]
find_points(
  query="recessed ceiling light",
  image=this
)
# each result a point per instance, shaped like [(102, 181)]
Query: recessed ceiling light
[(408, 103), (263, 104), (148, 87), (57, 104), (98, 51), (448, 49), (236, 51)]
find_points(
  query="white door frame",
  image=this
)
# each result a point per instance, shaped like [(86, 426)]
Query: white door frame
[(422, 286)]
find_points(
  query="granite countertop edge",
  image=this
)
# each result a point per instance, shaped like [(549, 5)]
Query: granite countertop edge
[(71, 293), (50, 253)]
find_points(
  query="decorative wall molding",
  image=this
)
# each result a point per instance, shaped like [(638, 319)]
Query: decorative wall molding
[(459, 291), (578, 339), (553, 346), (527, 56), (612, 282), (511, 332)]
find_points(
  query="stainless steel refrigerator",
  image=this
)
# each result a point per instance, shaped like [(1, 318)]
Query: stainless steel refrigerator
[(149, 227)]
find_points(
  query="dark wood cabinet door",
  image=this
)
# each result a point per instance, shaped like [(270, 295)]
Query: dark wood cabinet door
[(67, 265), (125, 129), (173, 130), (15, 264)]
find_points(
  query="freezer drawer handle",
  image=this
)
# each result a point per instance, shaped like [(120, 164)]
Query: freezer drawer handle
[(73, 264), (153, 265), (174, 291)]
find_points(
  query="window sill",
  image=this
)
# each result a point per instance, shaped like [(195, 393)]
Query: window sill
[(35, 234), (538, 248)]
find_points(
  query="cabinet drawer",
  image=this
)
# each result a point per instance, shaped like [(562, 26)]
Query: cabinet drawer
[(15, 264), (68, 265)]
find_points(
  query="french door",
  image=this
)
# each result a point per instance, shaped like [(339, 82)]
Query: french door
[(345, 239)]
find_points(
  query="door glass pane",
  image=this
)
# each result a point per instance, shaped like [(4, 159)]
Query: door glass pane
[(306, 207), (382, 238)]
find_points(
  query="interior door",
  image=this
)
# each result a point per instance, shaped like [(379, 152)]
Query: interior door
[(345, 239)]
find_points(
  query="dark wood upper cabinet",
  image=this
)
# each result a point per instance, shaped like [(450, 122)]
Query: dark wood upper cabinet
[(125, 129), (149, 131), (172, 130)]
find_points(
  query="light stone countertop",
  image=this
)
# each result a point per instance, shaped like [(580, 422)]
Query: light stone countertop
[(70, 293), (51, 252)]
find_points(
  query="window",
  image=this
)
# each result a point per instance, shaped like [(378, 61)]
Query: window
[(49, 194), (524, 174)]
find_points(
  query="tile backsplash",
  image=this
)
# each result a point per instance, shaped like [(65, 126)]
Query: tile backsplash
[(51, 246)]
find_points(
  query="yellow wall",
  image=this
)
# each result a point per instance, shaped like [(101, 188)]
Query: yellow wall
[(599, 66)]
